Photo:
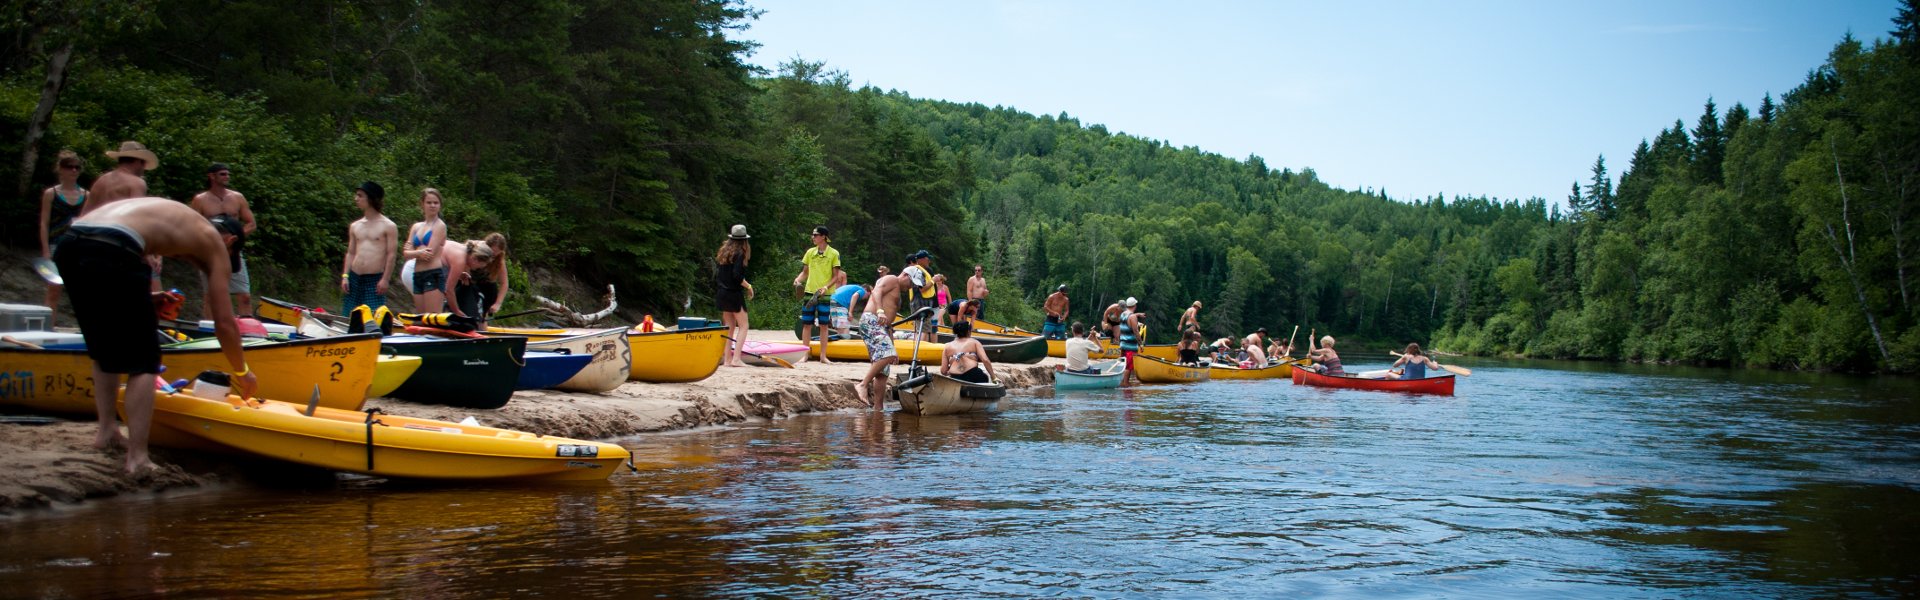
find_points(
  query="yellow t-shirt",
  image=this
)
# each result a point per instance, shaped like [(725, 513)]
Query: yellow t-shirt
[(820, 266)]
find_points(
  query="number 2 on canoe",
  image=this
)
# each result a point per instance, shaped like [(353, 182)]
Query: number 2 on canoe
[(337, 368)]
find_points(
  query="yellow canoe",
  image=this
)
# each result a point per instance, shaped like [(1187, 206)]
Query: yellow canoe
[(1166, 352), (1058, 349), (392, 371), (1154, 370), (676, 356), (1280, 371), (856, 350), (393, 446), (61, 381)]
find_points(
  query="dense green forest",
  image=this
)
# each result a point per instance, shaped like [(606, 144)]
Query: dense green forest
[(614, 142)]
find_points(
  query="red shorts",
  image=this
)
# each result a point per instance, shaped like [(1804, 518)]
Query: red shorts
[(1129, 355)]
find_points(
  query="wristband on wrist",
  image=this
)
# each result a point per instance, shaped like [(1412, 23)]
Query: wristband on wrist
[(244, 370)]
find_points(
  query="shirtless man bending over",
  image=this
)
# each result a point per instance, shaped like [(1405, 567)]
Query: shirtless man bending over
[(108, 283), (371, 243), (875, 329)]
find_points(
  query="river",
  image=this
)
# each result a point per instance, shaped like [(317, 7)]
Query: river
[(1537, 479)]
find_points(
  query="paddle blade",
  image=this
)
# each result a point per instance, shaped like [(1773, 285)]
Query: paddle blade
[(45, 269), (1458, 370)]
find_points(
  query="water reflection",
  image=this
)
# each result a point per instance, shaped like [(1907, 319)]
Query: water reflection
[(1589, 482)]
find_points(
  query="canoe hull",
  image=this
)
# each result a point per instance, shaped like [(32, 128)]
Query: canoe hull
[(1111, 372), (399, 446), (1279, 371), (1058, 349), (676, 356), (1010, 351), (1442, 385), (61, 381), (547, 369), (612, 357), (792, 353), (471, 373), (943, 395), (392, 370), (856, 350), (1154, 370)]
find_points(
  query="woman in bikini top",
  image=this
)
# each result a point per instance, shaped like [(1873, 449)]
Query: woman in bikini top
[(964, 358)]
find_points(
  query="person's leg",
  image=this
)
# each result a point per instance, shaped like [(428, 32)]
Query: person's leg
[(53, 304), (139, 421), (105, 388)]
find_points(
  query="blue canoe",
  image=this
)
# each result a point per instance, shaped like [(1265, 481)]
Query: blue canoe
[(1111, 371), (547, 369)]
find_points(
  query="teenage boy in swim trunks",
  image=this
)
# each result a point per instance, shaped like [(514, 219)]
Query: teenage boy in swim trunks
[(875, 332), (819, 269), (219, 201), (1056, 306), (103, 261), (370, 248)]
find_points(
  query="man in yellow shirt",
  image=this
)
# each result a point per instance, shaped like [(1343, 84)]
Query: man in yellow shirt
[(819, 270)]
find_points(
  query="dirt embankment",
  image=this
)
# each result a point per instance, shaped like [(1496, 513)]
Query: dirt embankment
[(43, 465)]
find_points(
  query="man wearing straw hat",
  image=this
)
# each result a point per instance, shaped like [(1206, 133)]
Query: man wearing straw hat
[(127, 179)]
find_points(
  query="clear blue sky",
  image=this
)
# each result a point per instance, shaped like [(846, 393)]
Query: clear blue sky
[(1510, 99)]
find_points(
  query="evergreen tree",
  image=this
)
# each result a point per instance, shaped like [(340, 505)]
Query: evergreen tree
[(1600, 189), (1709, 146)]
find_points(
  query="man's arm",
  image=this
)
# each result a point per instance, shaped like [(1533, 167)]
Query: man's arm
[(346, 262), (211, 256), (246, 214), (389, 241)]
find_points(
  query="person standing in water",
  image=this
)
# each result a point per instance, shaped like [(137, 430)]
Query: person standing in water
[(425, 242)]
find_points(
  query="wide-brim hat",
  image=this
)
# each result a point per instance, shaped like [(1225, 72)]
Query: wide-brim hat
[(136, 150), (739, 233)]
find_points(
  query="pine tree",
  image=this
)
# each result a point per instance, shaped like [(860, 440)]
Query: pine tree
[(1709, 146), (1600, 189), (1766, 109)]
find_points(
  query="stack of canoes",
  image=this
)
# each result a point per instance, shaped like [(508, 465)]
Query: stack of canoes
[(343, 368), (465, 372), (376, 443), (1442, 385)]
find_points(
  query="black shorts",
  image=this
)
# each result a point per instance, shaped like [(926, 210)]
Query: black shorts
[(734, 300), (109, 283), (430, 280)]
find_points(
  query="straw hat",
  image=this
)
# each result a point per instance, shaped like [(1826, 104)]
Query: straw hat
[(135, 150)]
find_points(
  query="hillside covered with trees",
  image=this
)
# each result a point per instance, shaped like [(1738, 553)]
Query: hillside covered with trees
[(615, 142)]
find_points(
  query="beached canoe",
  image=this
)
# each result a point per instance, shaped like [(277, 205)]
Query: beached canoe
[(1109, 376), (547, 369), (1166, 352), (612, 356), (928, 352), (1154, 370), (1442, 385), (935, 394), (1005, 350), (676, 356), (790, 352), (1058, 349), (378, 444), (1279, 371), (392, 371), (61, 380), (279, 311), (472, 373)]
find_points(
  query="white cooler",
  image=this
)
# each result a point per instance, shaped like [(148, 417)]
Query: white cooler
[(25, 317)]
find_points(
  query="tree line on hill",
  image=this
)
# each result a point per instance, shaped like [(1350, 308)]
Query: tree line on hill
[(616, 142)]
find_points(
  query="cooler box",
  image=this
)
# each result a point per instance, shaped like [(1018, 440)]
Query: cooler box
[(25, 317), (696, 323)]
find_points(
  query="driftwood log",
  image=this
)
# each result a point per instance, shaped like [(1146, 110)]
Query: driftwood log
[(571, 318)]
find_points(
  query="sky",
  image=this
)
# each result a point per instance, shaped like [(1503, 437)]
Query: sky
[(1505, 99)]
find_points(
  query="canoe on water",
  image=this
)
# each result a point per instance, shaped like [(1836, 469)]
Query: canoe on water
[(1109, 349), (377, 444), (1154, 370), (1277, 371), (1442, 385), (61, 381), (1110, 372), (935, 394), (1005, 350)]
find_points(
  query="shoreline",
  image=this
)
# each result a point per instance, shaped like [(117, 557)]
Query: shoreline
[(54, 465)]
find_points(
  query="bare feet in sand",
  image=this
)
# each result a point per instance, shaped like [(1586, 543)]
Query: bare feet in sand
[(141, 466), (104, 441)]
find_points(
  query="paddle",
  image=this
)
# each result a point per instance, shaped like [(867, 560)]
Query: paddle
[(773, 359), (1449, 368), (516, 314), (1296, 331)]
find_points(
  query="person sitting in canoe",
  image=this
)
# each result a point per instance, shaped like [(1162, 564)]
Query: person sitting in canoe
[(964, 358), (1279, 351), (1325, 360), (1082, 346), (1222, 351), (1255, 345), (1412, 365), (1190, 348)]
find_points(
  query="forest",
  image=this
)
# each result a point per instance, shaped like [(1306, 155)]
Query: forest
[(615, 141)]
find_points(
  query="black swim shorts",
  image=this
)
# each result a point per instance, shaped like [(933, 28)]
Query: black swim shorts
[(109, 282)]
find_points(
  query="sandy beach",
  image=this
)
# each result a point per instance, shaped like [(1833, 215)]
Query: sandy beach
[(51, 464)]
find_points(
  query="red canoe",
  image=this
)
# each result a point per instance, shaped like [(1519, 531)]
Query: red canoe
[(1442, 385)]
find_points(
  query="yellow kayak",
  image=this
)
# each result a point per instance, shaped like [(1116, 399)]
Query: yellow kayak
[(1154, 370), (392, 446), (1280, 371), (61, 381), (392, 371)]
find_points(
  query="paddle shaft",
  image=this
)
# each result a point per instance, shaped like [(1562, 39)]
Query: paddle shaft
[(1448, 368)]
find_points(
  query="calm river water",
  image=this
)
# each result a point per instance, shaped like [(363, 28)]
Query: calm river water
[(1538, 479)]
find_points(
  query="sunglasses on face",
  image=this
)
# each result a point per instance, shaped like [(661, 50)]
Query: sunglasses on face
[(69, 167)]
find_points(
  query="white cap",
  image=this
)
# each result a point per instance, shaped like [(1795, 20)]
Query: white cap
[(1131, 301)]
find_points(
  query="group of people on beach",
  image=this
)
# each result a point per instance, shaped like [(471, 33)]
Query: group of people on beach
[(106, 243), (830, 304)]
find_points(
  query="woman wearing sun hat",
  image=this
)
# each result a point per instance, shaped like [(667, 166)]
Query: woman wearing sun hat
[(731, 290)]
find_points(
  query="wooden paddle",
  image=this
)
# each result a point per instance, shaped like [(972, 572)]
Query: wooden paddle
[(1449, 368), (772, 359), (1296, 331)]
